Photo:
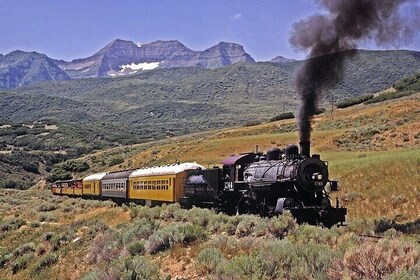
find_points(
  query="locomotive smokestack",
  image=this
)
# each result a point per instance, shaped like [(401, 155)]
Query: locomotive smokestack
[(305, 148)]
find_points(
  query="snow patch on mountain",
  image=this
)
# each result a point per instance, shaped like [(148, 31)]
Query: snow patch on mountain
[(140, 66)]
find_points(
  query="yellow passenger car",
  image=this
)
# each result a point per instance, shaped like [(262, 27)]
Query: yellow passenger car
[(92, 184), (77, 187), (56, 188), (163, 183), (67, 188)]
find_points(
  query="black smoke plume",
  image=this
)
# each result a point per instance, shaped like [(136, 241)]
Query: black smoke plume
[(326, 36)]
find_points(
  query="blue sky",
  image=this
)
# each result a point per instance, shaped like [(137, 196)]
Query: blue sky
[(67, 29)]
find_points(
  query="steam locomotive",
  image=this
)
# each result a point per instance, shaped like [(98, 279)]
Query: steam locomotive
[(251, 183), (268, 184)]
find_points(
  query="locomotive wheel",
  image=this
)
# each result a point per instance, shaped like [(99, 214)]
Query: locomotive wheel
[(245, 206)]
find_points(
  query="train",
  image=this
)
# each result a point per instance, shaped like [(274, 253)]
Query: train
[(265, 184)]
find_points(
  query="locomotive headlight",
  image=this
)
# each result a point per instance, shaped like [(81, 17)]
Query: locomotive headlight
[(317, 176)]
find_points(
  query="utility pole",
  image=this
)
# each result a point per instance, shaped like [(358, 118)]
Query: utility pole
[(332, 103)]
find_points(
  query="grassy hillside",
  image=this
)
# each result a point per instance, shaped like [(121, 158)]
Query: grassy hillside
[(373, 150), (29, 150)]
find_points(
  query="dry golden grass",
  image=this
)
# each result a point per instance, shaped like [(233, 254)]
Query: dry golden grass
[(379, 184), (372, 149), (378, 175)]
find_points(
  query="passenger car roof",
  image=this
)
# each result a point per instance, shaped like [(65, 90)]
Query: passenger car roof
[(166, 170)]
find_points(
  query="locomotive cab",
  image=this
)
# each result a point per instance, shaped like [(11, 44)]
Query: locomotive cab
[(233, 171), (233, 180)]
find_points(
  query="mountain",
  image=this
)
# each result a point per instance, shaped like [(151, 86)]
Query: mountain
[(174, 101), (20, 68), (120, 58), (223, 54), (282, 59)]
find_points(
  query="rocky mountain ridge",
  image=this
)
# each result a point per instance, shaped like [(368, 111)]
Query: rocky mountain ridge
[(282, 59), (20, 68), (118, 58)]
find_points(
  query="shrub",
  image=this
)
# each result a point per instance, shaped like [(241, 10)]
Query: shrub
[(306, 232), (59, 240), (383, 224), (282, 116), (11, 224), (111, 272), (181, 215), (208, 260), (47, 236), (249, 243), (13, 184), (279, 259), (139, 268), (35, 224), (47, 207), (58, 174), (40, 250), (4, 259), (21, 262), (320, 111), (191, 233), (46, 261), (388, 96), (200, 216), (167, 237), (168, 211), (151, 213), (282, 225), (47, 217), (409, 274), (361, 226), (354, 101), (376, 260), (219, 222), (252, 123), (409, 83), (141, 229), (93, 274), (74, 166), (115, 161), (31, 167), (250, 225), (136, 248), (317, 258), (24, 249), (231, 225), (242, 267), (229, 245), (105, 248), (160, 241)]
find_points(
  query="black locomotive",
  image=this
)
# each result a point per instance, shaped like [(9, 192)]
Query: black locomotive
[(268, 184)]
